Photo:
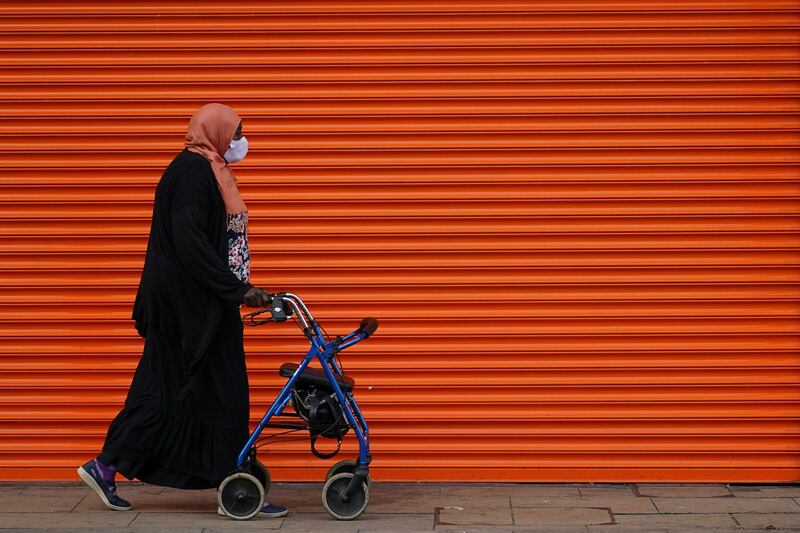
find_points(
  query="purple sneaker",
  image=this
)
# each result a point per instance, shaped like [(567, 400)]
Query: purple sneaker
[(101, 480), (273, 511)]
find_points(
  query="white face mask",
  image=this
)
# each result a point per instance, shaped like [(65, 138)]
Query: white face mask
[(237, 150)]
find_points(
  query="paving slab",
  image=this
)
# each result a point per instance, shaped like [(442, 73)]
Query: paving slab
[(766, 491), (510, 489), (566, 516), (171, 501), (683, 490), (54, 503), (409, 507), (123, 530), (554, 529), (619, 528), (617, 504), (386, 501), (677, 522), (726, 505), (474, 529), (475, 515), (768, 521), (390, 530), (59, 519), (508, 529), (154, 521), (324, 522), (410, 489), (726, 530), (607, 490)]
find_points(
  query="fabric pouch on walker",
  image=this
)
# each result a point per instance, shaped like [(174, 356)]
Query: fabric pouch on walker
[(321, 410)]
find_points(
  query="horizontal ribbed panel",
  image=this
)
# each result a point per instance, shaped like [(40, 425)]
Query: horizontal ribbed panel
[(576, 221)]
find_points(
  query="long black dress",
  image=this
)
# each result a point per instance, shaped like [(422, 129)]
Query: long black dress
[(186, 415)]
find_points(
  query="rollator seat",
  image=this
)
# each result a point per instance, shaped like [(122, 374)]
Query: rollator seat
[(316, 376)]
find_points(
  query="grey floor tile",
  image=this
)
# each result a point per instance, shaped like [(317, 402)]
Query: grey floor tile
[(55, 503), (172, 501), (566, 516), (380, 522), (474, 529), (677, 521), (768, 521), (608, 491), (123, 530), (60, 519), (685, 490), (629, 529), (766, 491), (553, 529), (510, 529), (509, 489), (475, 516), (617, 504), (398, 530), (726, 505), (203, 521)]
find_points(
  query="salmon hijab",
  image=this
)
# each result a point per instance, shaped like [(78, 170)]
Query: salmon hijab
[(210, 132)]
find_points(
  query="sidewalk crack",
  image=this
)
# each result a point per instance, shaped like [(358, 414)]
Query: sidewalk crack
[(133, 520), (79, 502)]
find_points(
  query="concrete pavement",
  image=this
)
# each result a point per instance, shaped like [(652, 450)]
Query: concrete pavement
[(410, 507)]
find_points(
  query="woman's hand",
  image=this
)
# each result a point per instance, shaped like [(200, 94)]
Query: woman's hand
[(257, 297)]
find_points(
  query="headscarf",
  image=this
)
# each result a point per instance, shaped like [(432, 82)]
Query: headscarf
[(210, 131)]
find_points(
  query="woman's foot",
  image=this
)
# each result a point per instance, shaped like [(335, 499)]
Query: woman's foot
[(268, 511), (100, 479), (273, 511)]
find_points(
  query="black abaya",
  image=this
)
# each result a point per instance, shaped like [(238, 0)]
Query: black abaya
[(186, 415)]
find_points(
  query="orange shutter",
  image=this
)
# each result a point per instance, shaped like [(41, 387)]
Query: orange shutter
[(576, 221)]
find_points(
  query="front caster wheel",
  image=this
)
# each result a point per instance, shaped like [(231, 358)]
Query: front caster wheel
[(339, 508), (345, 466), (240, 496)]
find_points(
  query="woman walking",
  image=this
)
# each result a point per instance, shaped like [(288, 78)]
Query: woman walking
[(186, 416)]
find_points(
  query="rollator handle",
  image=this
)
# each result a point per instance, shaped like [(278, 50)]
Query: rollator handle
[(367, 327), (278, 309)]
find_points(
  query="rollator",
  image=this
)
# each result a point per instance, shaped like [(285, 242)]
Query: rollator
[(323, 401)]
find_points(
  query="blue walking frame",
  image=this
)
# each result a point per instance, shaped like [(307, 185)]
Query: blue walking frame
[(324, 350)]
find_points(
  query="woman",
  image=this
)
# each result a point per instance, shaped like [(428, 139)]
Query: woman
[(186, 416)]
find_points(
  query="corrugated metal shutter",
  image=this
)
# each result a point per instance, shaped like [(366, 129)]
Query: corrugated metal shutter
[(576, 221)]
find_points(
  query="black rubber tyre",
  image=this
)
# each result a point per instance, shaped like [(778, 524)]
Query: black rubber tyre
[(240, 496), (338, 508), (344, 466), (261, 472)]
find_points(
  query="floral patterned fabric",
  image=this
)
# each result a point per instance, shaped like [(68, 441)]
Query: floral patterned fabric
[(238, 249)]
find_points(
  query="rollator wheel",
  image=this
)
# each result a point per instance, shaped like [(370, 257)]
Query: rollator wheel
[(240, 496), (338, 508), (261, 473), (345, 466)]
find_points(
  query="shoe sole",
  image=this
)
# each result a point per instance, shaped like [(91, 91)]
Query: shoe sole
[(260, 515), (92, 484)]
